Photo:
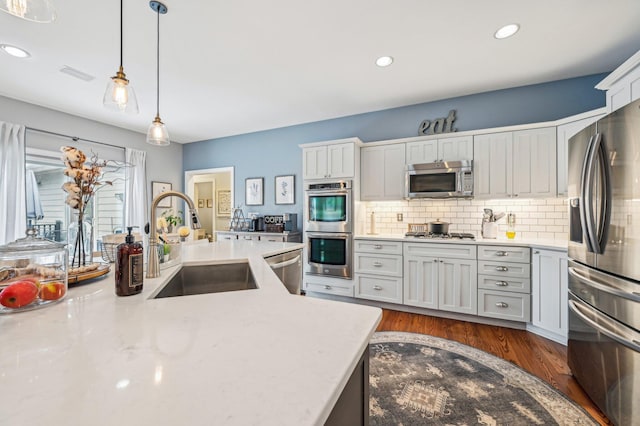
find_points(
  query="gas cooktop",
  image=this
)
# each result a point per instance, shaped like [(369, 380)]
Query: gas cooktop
[(449, 236)]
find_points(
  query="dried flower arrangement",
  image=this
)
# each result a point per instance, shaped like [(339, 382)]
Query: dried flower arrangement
[(83, 186)]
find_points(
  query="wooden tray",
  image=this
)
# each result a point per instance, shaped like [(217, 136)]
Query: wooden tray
[(84, 276)]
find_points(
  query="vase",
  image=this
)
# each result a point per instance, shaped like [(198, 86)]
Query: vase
[(80, 240)]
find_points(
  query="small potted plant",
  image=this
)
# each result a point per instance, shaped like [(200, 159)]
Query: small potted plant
[(172, 219)]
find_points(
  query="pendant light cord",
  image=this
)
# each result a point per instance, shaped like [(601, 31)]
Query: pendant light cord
[(158, 66), (121, 33)]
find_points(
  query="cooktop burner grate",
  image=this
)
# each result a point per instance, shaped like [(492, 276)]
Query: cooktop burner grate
[(449, 236)]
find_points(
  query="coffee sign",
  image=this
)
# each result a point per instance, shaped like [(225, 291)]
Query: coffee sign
[(439, 125)]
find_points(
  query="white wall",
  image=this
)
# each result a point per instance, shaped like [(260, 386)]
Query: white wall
[(163, 163)]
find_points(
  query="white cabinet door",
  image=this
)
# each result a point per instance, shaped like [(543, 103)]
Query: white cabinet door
[(515, 164), (549, 290), (492, 165), (422, 152), (315, 162), (446, 149), (455, 149), (341, 163), (329, 161), (534, 163), (382, 172), (421, 281), (458, 286)]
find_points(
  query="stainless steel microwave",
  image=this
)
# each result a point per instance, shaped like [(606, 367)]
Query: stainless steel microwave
[(442, 179)]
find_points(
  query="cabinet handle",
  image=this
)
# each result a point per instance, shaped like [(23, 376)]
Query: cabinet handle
[(536, 252), (377, 264), (327, 287), (435, 260), (377, 246), (502, 283), (502, 253), (502, 268), (502, 305), (515, 195), (377, 287), (509, 195), (246, 238), (442, 261)]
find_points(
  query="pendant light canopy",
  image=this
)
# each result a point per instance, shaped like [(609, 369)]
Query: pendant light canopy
[(157, 133), (31, 10), (120, 95)]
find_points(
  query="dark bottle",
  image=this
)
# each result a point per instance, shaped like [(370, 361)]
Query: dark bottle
[(129, 265)]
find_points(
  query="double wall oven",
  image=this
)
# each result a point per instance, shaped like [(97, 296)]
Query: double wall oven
[(329, 228)]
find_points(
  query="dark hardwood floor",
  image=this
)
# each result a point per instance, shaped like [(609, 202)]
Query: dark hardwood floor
[(539, 356)]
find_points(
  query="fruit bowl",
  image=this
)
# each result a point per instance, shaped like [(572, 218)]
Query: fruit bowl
[(33, 273)]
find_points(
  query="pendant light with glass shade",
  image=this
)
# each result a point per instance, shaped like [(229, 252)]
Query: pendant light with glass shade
[(31, 10), (120, 95), (157, 133)]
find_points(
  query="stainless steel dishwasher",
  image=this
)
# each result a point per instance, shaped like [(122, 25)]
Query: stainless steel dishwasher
[(288, 268)]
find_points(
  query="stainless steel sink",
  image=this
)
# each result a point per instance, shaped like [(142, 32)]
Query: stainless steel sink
[(203, 279)]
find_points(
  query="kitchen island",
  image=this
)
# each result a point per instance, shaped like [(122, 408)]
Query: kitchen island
[(252, 357)]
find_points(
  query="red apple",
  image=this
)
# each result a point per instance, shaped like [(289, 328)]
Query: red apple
[(52, 291), (18, 294)]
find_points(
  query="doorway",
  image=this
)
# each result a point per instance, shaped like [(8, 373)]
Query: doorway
[(212, 192)]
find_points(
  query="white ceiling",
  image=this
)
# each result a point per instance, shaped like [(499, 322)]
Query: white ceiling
[(232, 67)]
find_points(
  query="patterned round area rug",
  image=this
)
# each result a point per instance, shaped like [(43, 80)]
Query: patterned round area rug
[(417, 379)]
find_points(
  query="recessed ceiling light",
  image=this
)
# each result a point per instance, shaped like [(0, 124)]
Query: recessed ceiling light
[(507, 31), (15, 51), (384, 61)]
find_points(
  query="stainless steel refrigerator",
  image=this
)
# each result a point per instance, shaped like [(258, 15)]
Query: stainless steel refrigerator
[(604, 263)]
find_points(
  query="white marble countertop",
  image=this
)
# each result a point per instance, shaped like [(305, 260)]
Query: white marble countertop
[(560, 245), (254, 357)]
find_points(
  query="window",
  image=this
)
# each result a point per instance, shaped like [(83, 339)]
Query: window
[(48, 212)]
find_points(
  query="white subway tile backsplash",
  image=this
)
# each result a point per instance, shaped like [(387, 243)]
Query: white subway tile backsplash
[(535, 218)]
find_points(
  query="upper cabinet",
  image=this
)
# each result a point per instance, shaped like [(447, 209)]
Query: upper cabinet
[(382, 172), (329, 161), (623, 84), (446, 149), (515, 164)]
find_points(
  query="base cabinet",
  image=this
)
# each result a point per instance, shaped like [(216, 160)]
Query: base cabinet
[(504, 277), (549, 294), (378, 270), (437, 282)]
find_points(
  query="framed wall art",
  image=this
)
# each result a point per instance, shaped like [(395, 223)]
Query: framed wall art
[(223, 198), (158, 188), (285, 189), (254, 191)]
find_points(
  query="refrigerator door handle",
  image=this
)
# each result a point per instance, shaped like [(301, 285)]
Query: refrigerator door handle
[(586, 197), (605, 205), (602, 287), (605, 325)]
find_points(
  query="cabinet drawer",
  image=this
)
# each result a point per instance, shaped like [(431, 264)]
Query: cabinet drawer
[(441, 250), (504, 305), (505, 269), (273, 238), (492, 282), (385, 289), (226, 236), (337, 287), (505, 253), (378, 264), (378, 246)]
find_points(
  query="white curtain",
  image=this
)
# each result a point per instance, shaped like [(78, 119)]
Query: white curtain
[(135, 206), (13, 210)]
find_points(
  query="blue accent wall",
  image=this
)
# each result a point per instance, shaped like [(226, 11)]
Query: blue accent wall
[(275, 152)]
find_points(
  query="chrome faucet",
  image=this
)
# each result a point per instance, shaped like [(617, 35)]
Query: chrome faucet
[(153, 262)]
